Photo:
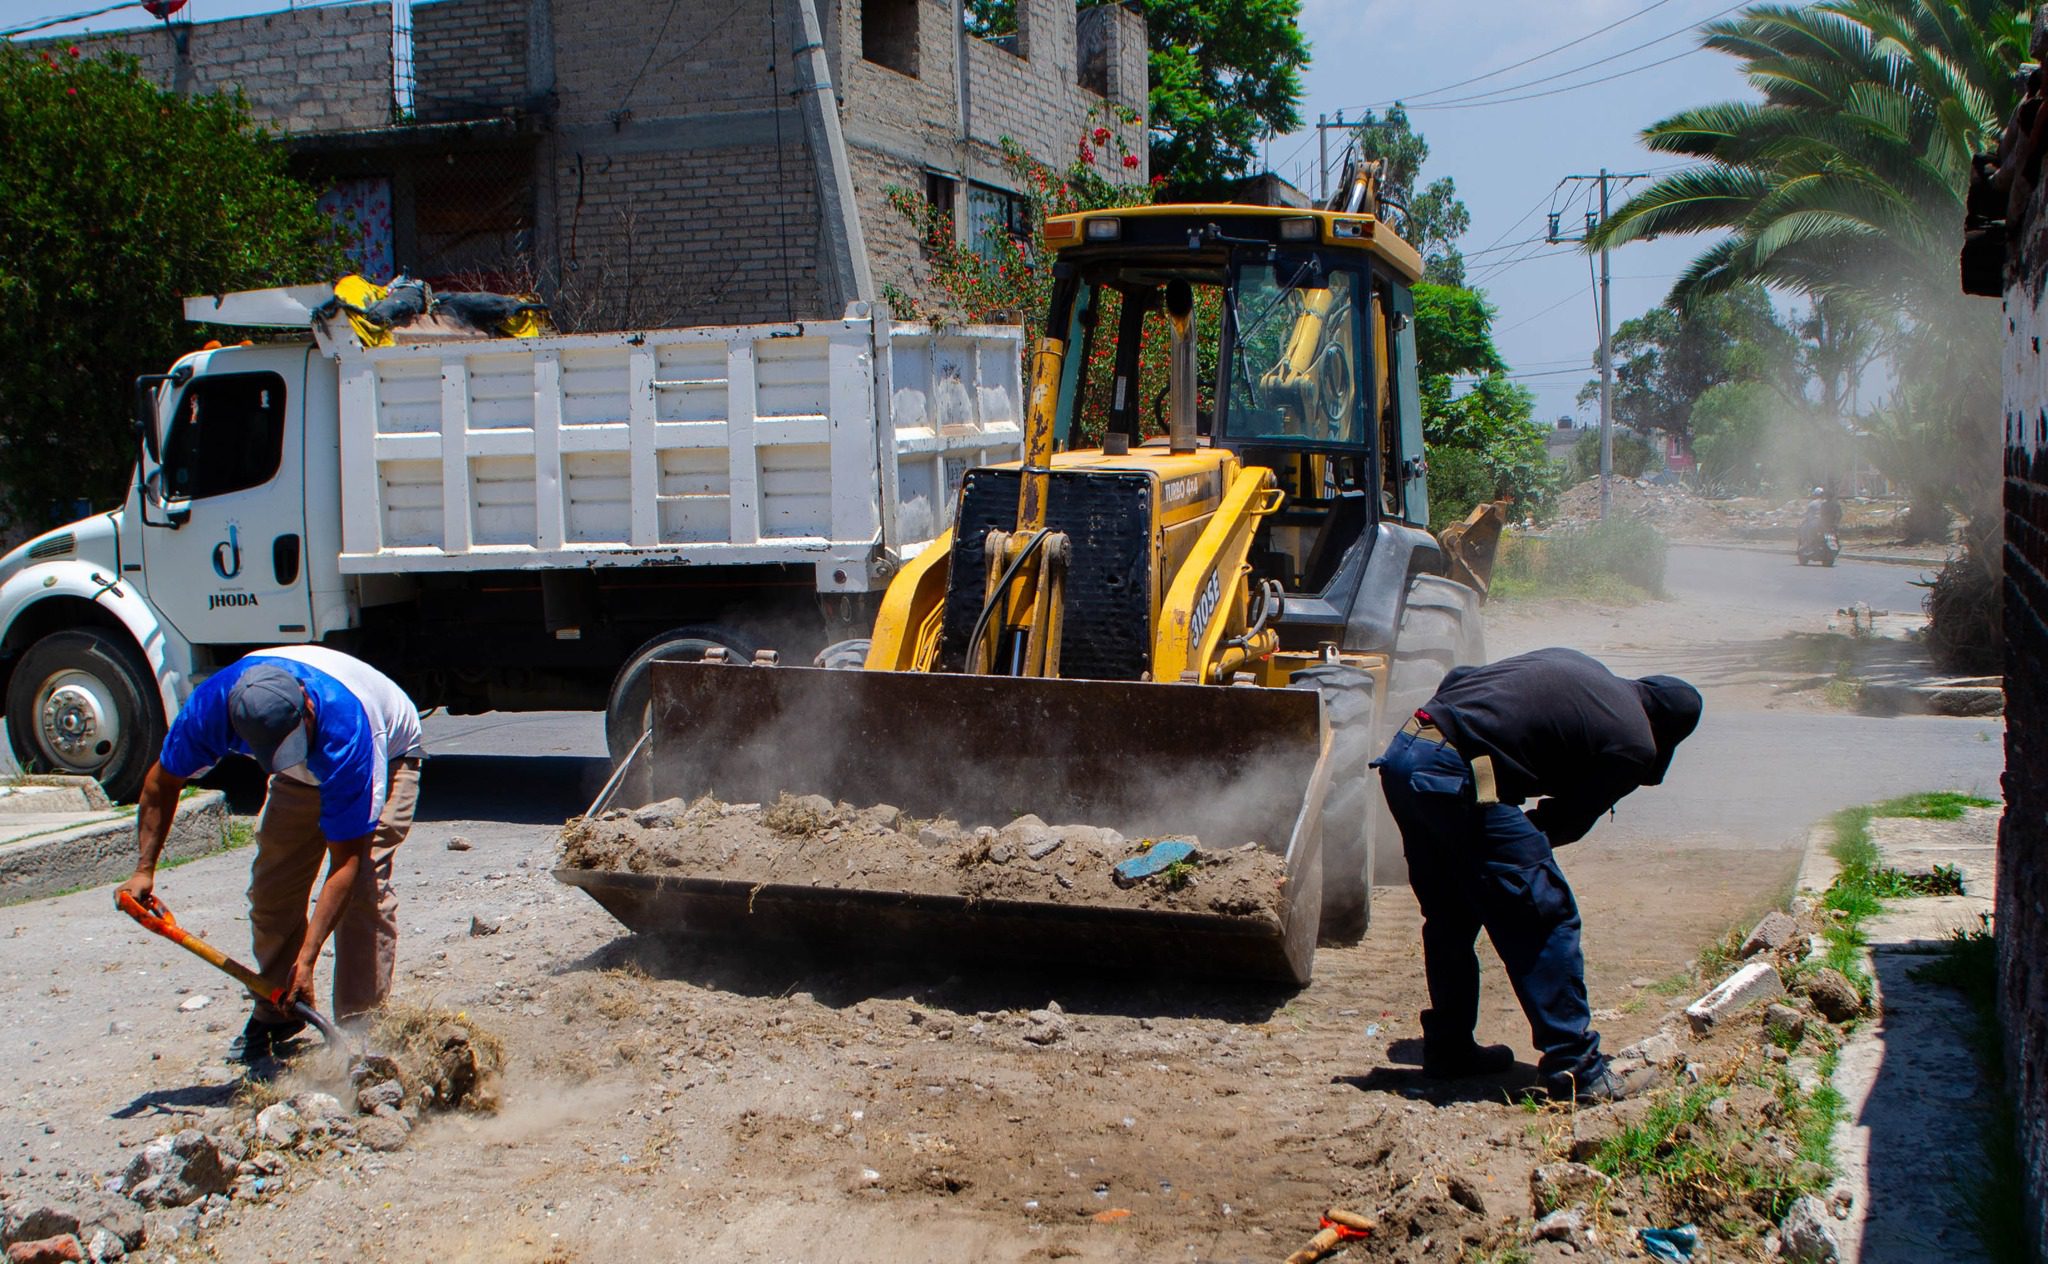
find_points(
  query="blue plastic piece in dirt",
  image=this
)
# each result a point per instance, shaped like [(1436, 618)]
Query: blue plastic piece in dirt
[(1673, 1245), (1153, 862)]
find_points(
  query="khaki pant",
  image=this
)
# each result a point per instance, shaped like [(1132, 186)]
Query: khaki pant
[(289, 849)]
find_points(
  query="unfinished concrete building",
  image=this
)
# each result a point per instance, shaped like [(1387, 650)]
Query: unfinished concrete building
[(652, 162)]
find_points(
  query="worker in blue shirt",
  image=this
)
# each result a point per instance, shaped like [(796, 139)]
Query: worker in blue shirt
[(341, 743)]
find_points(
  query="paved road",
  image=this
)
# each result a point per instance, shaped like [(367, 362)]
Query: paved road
[(1774, 581)]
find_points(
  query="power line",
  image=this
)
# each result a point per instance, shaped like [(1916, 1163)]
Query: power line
[(1570, 87), (1572, 43), (1599, 61), (1575, 294), (42, 24)]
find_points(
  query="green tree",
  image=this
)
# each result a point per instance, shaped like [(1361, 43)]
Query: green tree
[(117, 199), (1482, 443), (1433, 216), (1223, 75), (1667, 358)]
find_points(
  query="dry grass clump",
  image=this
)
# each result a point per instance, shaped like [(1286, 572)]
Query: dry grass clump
[(452, 1061)]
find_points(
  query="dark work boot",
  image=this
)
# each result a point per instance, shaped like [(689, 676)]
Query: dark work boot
[(1472, 1060), (260, 1040), (1603, 1085)]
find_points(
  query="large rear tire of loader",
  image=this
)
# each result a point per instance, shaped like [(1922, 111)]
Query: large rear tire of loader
[(1352, 804), (628, 709), (844, 655), (1440, 629)]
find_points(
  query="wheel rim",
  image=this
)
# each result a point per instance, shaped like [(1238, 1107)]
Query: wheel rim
[(687, 644), (78, 723)]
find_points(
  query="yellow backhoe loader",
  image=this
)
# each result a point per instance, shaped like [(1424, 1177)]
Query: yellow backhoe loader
[(1207, 631)]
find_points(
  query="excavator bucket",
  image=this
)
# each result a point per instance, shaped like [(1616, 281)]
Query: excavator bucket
[(1473, 544), (1226, 765)]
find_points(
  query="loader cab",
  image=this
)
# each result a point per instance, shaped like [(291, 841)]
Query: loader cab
[(1307, 367)]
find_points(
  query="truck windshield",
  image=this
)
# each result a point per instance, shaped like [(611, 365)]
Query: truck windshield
[(1292, 371)]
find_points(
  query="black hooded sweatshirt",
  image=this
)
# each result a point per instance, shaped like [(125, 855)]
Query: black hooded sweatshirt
[(1557, 724)]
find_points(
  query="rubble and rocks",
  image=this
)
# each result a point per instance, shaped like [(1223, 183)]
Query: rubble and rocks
[(1785, 1024), (1806, 1236), (385, 1130), (1556, 1185), (1832, 994), (1755, 982), (1675, 510), (1566, 1224), (457, 842), (108, 1225), (180, 1168), (807, 840), (57, 1250), (1775, 932)]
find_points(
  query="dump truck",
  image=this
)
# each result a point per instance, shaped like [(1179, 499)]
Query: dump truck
[(1202, 624), (499, 524)]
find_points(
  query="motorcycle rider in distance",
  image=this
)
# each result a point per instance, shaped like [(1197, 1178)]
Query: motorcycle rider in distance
[(1819, 532)]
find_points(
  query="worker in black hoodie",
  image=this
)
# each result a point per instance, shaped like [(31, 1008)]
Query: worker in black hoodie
[(1555, 726)]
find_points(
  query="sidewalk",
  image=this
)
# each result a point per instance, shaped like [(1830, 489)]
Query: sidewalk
[(58, 834), (1915, 1098)]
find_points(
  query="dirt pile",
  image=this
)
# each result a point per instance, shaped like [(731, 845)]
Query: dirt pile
[(1675, 510), (811, 841)]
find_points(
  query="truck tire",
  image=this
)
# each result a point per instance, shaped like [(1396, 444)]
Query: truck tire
[(1351, 808), (844, 655), (83, 702), (632, 694), (1440, 629)]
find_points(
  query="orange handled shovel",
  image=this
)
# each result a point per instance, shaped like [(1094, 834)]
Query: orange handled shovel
[(156, 917)]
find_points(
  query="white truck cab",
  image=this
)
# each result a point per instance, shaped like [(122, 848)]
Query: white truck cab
[(498, 524)]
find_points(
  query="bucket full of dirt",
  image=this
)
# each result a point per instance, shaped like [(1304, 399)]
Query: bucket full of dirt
[(1029, 821)]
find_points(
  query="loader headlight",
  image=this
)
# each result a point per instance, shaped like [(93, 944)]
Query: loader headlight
[(1109, 228), (1350, 228), (1297, 230)]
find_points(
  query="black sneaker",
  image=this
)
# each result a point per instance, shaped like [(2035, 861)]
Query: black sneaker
[(1604, 1085), (260, 1040), (1472, 1060)]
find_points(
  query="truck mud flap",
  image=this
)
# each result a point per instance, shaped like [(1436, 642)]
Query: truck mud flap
[(1225, 764)]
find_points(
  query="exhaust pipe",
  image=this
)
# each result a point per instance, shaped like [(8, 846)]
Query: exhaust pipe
[(1181, 368)]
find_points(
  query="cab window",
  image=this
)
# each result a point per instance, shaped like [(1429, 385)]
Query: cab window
[(228, 436), (1294, 375)]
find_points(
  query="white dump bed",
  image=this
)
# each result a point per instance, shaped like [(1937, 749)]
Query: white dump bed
[(837, 444)]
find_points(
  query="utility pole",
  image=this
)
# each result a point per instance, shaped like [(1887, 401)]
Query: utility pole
[(1323, 129), (1604, 300)]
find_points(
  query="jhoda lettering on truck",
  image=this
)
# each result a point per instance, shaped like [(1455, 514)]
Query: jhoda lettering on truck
[(497, 523)]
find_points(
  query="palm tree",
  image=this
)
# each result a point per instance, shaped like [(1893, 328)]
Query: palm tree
[(1848, 177), (1846, 182)]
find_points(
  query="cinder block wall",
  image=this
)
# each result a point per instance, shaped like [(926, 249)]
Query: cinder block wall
[(2023, 840), (682, 188), (325, 69), (902, 123), (468, 59)]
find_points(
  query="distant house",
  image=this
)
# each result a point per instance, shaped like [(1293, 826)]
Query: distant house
[(645, 162)]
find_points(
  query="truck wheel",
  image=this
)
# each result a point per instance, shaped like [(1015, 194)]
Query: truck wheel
[(632, 697), (82, 702), (1351, 808), (844, 655), (1440, 629)]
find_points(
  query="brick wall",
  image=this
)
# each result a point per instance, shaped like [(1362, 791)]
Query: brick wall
[(468, 59), (2023, 842), (320, 69), (900, 125)]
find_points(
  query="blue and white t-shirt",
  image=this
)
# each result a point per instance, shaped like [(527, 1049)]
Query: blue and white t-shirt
[(362, 721)]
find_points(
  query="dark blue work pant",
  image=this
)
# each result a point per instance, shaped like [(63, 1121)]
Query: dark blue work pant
[(1477, 866)]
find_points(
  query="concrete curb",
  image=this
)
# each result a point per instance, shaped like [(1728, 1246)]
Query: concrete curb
[(101, 849)]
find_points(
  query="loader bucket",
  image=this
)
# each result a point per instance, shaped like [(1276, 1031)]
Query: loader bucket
[(1226, 764)]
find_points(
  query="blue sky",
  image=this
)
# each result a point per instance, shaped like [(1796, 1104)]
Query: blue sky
[(1506, 137), (1506, 144)]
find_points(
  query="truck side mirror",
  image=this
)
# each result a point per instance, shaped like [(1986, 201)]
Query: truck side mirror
[(146, 388)]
